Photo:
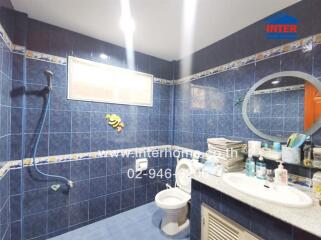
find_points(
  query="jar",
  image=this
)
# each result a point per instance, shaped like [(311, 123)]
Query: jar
[(316, 183)]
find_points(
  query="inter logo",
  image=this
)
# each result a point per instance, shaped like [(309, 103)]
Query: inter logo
[(281, 26)]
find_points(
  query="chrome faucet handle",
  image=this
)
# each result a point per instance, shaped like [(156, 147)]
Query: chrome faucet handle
[(269, 178)]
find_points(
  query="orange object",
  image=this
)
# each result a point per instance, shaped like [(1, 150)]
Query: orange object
[(312, 105)]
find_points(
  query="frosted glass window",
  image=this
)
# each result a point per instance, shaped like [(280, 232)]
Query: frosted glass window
[(97, 82)]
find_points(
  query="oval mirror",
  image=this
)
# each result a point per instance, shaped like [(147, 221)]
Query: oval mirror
[(283, 103)]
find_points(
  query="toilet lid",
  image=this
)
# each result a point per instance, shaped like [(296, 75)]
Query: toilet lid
[(183, 175)]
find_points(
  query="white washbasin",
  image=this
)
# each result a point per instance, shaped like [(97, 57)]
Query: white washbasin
[(284, 195)]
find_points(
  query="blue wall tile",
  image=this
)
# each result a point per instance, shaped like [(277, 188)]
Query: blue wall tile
[(113, 165), (98, 167), (35, 71), (35, 201), (97, 207), (79, 170), (59, 143), (127, 199), (113, 203), (60, 121), (57, 219), (98, 141), (78, 213), (114, 183), (80, 142), (80, 121), (80, 191), (58, 199), (29, 223), (98, 187), (32, 180), (140, 195)]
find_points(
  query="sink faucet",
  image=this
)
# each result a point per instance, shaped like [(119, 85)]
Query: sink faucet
[(269, 178)]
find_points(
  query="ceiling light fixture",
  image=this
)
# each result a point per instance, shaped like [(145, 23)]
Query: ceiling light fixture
[(275, 82), (127, 24), (103, 56)]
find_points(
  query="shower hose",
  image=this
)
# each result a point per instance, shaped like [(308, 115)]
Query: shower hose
[(42, 123)]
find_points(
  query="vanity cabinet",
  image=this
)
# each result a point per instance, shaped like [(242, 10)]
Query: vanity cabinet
[(256, 221)]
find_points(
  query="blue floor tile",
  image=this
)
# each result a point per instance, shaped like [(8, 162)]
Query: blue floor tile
[(139, 223)]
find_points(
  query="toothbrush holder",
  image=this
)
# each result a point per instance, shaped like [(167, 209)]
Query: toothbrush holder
[(291, 155)]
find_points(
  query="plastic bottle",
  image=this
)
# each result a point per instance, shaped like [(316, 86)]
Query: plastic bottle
[(281, 175), (307, 150), (261, 168), (250, 167)]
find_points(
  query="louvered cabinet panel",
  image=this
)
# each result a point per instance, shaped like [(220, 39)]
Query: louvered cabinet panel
[(217, 227)]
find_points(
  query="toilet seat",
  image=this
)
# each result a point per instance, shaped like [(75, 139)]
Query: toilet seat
[(183, 174), (172, 198)]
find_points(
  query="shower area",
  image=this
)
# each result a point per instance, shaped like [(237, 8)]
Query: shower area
[(63, 183)]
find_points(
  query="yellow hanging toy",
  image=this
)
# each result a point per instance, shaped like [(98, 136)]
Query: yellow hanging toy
[(115, 121)]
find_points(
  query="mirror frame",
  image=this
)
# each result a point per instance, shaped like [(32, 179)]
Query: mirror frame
[(308, 77)]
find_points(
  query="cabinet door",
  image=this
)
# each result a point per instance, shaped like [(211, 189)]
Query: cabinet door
[(215, 226)]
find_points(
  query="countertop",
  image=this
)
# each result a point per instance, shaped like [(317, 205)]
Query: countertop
[(307, 219)]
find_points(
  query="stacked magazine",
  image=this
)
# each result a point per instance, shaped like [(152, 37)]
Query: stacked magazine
[(227, 153)]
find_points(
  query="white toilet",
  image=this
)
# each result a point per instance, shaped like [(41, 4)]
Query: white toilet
[(174, 200)]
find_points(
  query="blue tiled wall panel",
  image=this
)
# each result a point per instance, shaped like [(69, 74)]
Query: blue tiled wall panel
[(75, 126), (278, 113), (5, 135), (208, 107), (102, 189), (252, 219), (5, 101), (5, 207)]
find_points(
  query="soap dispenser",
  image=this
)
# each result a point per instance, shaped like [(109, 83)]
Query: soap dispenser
[(281, 175), (261, 168)]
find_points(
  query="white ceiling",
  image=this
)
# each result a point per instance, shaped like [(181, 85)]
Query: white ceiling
[(158, 22)]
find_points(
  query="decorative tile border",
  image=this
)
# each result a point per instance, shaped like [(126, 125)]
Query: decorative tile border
[(163, 81), (19, 49), (5, 38), (280, 89), (182, 153), (165, 149), (45, 57), (82, 156), (305, 44)]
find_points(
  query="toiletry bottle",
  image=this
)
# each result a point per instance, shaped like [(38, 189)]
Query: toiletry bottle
[(250, 167), (261, 168), (247, 167), (307, 152), (281, 175), (277, 146)]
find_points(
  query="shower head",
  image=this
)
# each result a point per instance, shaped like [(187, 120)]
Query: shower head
[(49, 74)]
